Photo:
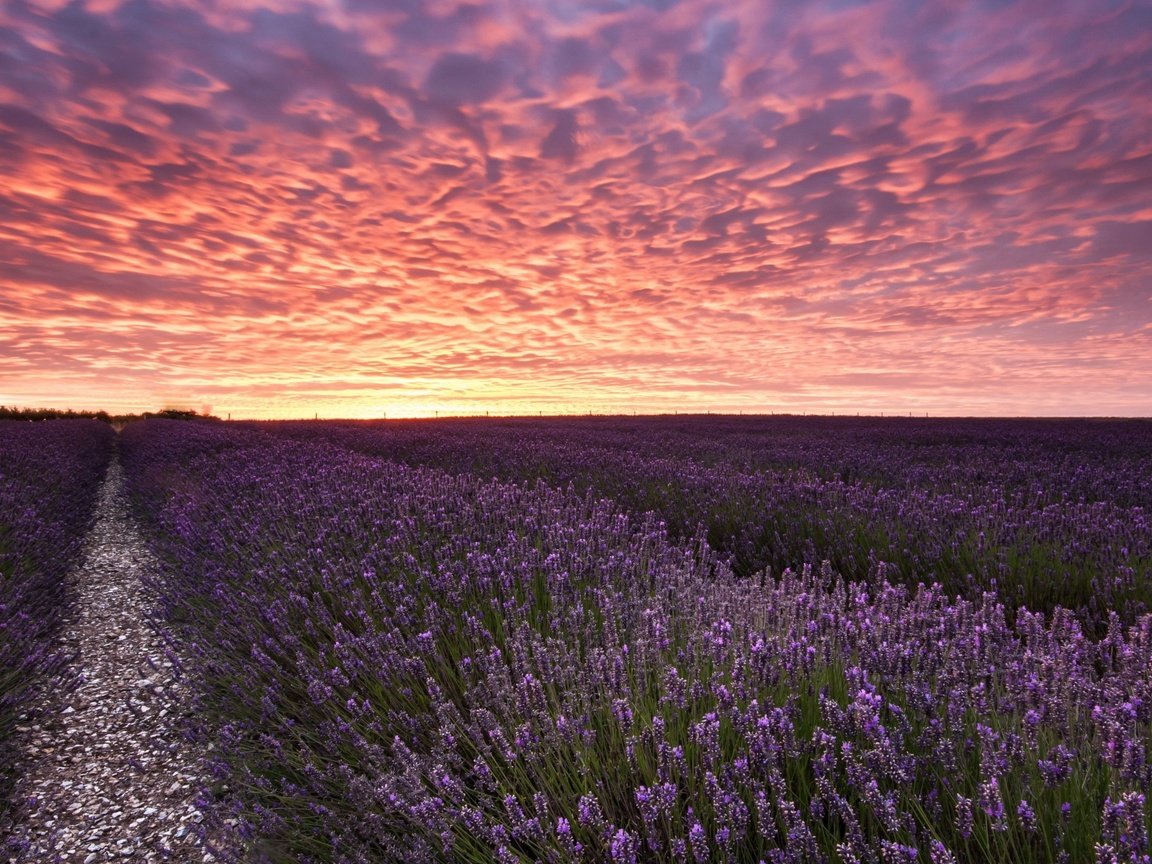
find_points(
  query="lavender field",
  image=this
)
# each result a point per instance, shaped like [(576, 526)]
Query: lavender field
[(774, 640), (1044, 512), (49, 476)]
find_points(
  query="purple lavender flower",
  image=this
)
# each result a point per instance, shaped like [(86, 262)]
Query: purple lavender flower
[(992, 803), (1027, 816), (964, 816), (624, 847), (591, 816), (940, 854), (698, 838), (1125, 821), (1057, 767)]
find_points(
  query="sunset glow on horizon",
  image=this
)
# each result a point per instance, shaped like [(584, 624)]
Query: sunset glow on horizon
[(360, 208)]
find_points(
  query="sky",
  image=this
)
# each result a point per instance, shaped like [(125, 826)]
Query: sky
[(365, 208)]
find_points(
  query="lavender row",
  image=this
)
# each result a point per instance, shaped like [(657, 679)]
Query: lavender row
[(1047, 460), (400, 664), (50, 473), (1022, 507)]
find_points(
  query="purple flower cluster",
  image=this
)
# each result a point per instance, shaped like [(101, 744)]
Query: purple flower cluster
[(401, 664), (50, 473), (1046, 513)]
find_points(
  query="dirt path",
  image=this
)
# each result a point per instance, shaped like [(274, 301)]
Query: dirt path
[(108, 776)]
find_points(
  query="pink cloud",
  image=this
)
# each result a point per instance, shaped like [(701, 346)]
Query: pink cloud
[(829, 205)]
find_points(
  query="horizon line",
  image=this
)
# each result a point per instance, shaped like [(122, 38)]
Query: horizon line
[(541, 415)]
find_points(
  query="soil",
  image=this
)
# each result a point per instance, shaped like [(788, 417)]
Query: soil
[(105, 770)]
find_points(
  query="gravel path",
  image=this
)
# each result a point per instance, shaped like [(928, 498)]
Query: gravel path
[(108, 777)]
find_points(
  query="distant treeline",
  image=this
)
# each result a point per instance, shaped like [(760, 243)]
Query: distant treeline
[(12, 413)]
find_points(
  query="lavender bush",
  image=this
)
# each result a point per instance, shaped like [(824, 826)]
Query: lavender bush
[(50, 473), (1045, 512), (401, 664)]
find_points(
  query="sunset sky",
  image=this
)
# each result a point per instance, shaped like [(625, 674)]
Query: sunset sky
[(358, 207)]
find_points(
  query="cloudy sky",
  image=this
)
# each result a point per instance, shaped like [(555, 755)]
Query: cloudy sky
[(352, 207)]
